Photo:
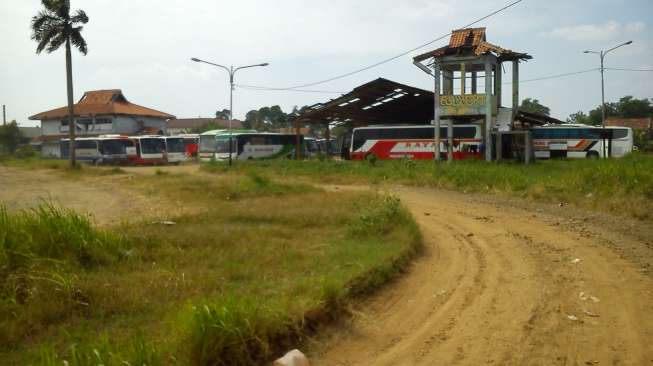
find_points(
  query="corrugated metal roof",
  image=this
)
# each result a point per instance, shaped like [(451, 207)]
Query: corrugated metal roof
[(102, 102), (380, 101)]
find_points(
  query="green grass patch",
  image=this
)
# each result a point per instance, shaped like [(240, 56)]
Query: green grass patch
[(235, 282), (619, 186), (42, 253)]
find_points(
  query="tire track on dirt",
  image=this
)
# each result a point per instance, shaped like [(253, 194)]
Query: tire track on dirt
[(499, 285)]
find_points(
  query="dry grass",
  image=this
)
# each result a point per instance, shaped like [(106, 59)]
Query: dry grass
[(236, 277)]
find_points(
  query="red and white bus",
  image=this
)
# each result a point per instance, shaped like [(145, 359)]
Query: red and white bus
[(150, 150), (414, 142)]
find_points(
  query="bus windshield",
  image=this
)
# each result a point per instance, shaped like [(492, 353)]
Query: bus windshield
[(222, 144), (152, 146), (175, 145), (208, 143), (114, 147)]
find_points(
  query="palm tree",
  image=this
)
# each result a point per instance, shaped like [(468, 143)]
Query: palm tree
[(52, 27)]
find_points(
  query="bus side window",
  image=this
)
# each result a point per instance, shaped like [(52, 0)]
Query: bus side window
[(619, 133)]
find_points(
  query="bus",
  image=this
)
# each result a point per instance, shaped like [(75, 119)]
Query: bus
[(259, 145), (312, 146), (86, 149), (150, 150), (104, 149), (414, 142), (175, 149), (581, 141), (208, 142), (191, 143)]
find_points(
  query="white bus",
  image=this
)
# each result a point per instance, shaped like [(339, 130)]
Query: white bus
[(258, 145), (150, 150), (175, 149), (581, 141), (415, 142), (206, 149), (104, 149)]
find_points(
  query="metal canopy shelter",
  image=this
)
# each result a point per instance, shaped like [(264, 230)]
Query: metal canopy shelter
[(380, 101)]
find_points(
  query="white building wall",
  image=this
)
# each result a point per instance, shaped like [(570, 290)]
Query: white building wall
[(130, 125), (51, 150), (51, 127)]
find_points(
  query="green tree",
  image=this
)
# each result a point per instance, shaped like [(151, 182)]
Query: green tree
[(11, 137), (533, 106), (52, 27), (267, 118), (629, 107), (626, 107), (579, 117), (223, 114)]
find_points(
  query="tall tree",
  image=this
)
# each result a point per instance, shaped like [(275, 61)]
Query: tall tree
[(52, 27), (10, 137), (534, 106), (223, 114)]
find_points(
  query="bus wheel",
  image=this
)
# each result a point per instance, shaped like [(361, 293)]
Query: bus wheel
[(593, 155)]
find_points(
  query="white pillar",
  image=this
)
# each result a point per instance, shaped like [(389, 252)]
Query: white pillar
[(436, 109), (487, 140)]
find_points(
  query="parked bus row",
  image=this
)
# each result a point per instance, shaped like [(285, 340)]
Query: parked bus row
[(417, 142), (247, 145), (133, 150)]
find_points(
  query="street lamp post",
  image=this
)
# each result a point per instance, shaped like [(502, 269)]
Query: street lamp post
[(231, 70), (602, 56)]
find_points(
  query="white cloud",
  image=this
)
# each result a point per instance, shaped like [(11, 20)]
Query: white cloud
[(595, 32)]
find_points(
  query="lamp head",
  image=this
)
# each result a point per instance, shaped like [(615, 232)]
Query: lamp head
[(629, 42), (195, 59), (264, 64)]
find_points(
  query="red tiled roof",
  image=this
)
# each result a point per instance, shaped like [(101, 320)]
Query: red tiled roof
[(471, 40), (102, 102), (201, 122), (468, 37), (634, 123)]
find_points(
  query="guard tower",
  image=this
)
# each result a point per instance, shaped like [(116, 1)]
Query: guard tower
[(477, 65)]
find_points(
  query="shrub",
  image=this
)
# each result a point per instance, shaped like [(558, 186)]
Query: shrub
[(25, 151)]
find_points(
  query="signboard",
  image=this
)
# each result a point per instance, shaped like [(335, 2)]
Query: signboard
[(462, 105)]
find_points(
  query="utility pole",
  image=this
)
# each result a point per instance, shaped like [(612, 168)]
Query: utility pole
[(231, 70), (602, 56), (4, 116)]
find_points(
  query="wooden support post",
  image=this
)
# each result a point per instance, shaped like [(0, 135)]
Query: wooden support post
[(327, 135), (487, 138), (436, 109), (528, 147), (474, 82), (298, 144), (447, 82), (499, 145), (463, 78), (515, 87), (497, 84)]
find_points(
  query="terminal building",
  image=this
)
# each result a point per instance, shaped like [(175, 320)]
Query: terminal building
[(99, 112)]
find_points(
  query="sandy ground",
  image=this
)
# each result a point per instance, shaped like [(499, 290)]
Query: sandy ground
[(104, 198), (501, 281), (506, 282)]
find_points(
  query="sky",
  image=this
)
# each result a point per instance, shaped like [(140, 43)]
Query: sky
[(144, 48)]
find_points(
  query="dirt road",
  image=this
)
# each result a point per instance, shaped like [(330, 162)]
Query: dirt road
[(507, 285)]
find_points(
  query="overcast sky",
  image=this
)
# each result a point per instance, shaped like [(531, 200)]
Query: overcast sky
[(144, 47)]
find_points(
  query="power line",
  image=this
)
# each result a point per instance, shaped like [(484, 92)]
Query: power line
[(618, 69), (558, 75), (260, 88), (393, 57)]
